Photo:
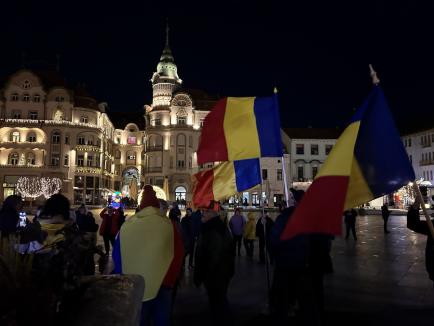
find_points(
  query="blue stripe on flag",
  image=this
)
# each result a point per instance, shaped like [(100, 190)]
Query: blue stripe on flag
[(116, 255), (379, 150), (266, 111), (247, 173)]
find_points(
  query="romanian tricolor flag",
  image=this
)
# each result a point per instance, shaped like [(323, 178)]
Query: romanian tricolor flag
[(368, 161), (225, 180), (149, 245), (240, 128)]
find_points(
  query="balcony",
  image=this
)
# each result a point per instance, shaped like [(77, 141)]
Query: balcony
[(87, 148), (425, 144), (22, 144), (154, 169), (25, 166), (88, 170), (156, 148), (41, 123), (426, 162)]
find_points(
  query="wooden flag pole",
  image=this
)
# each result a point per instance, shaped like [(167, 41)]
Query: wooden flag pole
[(419, 198)]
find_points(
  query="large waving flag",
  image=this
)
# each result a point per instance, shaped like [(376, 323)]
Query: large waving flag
[(148, 244), (225, 180), (367, 161), (241, 128)]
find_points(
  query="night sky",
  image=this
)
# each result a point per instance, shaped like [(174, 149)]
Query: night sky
[(317, 54)]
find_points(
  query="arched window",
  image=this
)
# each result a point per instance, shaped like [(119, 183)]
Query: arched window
[(26, 97), (36, 98), (31, 137), (180, 193), (15, 136), (55, 137), (14, 97), (26, 84), (30, 158), (13, 158)]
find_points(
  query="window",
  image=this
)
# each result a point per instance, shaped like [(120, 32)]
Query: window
[(90, 140), (59, 99), (66, 160), (201, 122), (31, 137), (84, 119), (81, 140), (182, 121), (279, 174), (328, 149), (30, 160), (36, 98), (55, 159), (80, 160), (299, 149), (16, 114), (13, 159), (156, 122), (89, 160), (409, 142), (14, 97), (33, 115), (15, 136), (131, 140), (180, 164), (118, 140), (26, 97), (300, 173), (55, 138), (117, 154), (314, 171), (314, 149), (264, 174), (26, 84), (66, 140)]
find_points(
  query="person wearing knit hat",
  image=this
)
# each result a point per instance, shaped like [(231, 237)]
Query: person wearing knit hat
[(149, 245)]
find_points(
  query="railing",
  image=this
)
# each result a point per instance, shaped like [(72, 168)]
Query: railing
[(153, 169), (154, 148), (40, 123), (425, 144), (426, 162), (88, 169), (20, 166), (88, 148), (22, 143)]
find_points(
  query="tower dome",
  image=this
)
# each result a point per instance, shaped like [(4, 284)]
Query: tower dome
[(167, 67)]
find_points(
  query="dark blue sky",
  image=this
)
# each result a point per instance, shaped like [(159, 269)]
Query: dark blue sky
[(317, 54)]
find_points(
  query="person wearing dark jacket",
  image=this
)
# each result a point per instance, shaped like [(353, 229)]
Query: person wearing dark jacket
[(188, 236), (350, 222), (415, 224), (110, 226), (385, 213), (214, 262), (264, 237), (9, 216)]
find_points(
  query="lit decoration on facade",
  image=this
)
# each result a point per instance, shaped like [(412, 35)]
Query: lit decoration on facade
[(50, 186), (29, 187)]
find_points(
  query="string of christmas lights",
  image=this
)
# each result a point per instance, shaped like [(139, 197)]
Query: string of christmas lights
[(33, 187)]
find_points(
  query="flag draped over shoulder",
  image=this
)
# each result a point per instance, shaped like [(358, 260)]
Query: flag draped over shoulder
[(241, 128), (149, 245), (367, 161), (225, 180)]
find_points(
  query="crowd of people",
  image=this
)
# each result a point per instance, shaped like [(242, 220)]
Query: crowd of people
[(207, 242)]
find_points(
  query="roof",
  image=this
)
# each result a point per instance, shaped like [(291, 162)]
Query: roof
[(50, 78), (83, 99), (201, 99), (313, 133), (121, 119)]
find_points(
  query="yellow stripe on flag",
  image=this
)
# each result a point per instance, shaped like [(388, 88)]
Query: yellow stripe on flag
[(224, 184), (147, 245), (340, 159), (358, 190), (240, 129)]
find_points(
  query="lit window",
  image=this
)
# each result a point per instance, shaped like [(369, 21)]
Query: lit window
[(26, 97), (84, 119), (201, 122), (131, 140), (13, 159), (15, 137), (31, 138)]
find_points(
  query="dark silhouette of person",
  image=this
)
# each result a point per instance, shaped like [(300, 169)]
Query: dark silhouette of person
[(385, 213), (415, 224), (350, 222), (264, 236)]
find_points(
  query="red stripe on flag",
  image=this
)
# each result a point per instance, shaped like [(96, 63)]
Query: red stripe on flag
[(203, 188), (212, 145), (178, 258), (321, 208)]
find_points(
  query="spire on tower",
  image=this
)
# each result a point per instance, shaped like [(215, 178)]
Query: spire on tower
[(167, 32)]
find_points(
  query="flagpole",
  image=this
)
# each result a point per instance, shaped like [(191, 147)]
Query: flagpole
[(376, 81), (285, 182)]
